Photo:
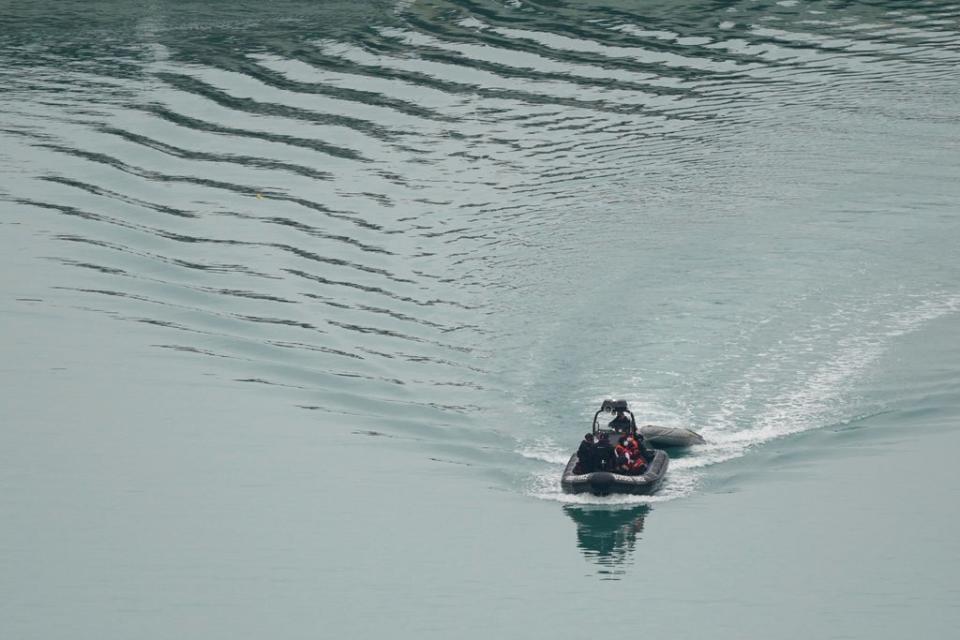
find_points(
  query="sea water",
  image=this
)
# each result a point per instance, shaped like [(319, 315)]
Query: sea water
[(305, 306)]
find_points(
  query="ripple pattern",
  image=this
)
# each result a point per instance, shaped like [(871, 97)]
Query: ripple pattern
[(413, 212)]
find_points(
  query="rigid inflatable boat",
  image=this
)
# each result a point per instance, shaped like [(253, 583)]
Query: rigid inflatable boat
[(601, 483), (576, 479)]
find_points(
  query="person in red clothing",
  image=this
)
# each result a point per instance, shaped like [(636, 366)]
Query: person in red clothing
[(621, 445), (645, 453), (638, 463), (622, 453)]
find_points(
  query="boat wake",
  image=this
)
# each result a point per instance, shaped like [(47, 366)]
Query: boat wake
[(780, 395)]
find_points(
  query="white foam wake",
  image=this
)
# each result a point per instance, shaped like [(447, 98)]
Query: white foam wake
[(815, 394), (787, 391)]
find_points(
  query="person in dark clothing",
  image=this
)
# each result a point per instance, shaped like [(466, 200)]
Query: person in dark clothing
[(620, 423), (604, 456), (586, 455)]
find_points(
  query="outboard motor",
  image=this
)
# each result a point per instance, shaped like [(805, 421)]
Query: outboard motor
[(601, 483)]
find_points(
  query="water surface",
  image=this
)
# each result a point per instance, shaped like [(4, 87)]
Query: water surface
[(303, 310)]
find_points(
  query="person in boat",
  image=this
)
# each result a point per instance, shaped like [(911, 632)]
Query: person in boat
[(621, 448), (620, 422), (586, 455), (641, 448), (629, 459), (604, 455), (622, 452), (637, 460)]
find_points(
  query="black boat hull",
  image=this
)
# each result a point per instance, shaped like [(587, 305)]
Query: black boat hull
[(603, 483)]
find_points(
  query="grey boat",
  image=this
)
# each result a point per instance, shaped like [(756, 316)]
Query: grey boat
[(576, 479), (601, 483)]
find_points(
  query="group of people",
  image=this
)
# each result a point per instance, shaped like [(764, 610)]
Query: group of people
[(629, 456)]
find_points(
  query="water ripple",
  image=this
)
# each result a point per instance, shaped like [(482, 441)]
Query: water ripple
[(417, 213)]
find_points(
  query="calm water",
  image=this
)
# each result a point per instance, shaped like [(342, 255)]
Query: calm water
[(304, 305)]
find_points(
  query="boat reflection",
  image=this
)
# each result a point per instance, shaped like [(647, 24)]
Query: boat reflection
[(608, 536)]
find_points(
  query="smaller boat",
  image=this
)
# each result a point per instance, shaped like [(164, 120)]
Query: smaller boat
[(577, 479), (669, 437)]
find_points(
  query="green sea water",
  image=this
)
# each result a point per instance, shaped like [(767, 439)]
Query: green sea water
[(304, 306)]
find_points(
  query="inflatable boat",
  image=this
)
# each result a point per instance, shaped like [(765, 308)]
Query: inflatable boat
[(669, 437), (577, 479), (602, 483)]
